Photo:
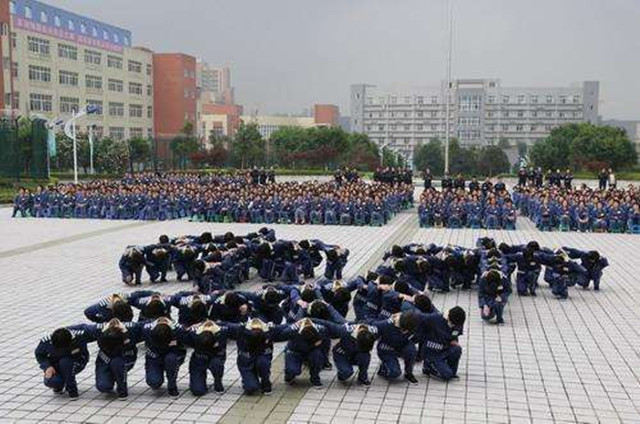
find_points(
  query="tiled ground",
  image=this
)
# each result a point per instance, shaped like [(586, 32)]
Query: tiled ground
[(571, 361)]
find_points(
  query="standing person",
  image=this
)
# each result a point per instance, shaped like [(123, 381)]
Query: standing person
[(522, 177), (428, 178), (612, 179), (568, 178), (603, 177)]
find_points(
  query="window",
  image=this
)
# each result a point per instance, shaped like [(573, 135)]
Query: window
[(97, 104), (520, 98), (135, 111), (114, 62), (434, 100), (105, 35), (549, 99), (28, 13), (66, 51), (434, 127), (380, 127), (117, 40), (534, 114), (186, 93), (12, 7), (69, 104), (135, 88), (419, 127), (549, 114), (533, 128), (434, 114), (38, 45), (407, 100), (519, 128), (39, 73), (69, 78), (83, 28), (135, 132), (406, 114), (94, 32), (135, 66), (93, 82), (576, 99), (43, 17), (394, 100), (14, 70), (116, 85), (149, 69), (40, 102), (407, 127), (14, 40), (116, 133), (149, 112), (520, 114), (534, 99), (149, 90), (15, 102), (116, 109), (561, 114), (420, 114), (126, 41), (505, 99), (563, 100), (92, 57), (56, 21), (420, 100), (491, 99), (469, 103), (71, 25), (490, 114)]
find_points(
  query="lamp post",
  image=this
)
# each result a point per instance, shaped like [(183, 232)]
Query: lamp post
[(448, 89), (70, 131)]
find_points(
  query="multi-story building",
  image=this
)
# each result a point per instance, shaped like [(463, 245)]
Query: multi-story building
[(214, 84), (481, 111), (175, 97), (55, 62), (323, 116)]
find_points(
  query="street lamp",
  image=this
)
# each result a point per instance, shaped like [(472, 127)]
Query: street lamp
[(448, 89), (70, 131)]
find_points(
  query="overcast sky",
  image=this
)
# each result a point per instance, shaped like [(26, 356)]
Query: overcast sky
[(286, 55)]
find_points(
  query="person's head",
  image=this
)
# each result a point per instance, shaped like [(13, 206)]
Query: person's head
[(112, 336), (307, 294), (206, 237), (364, 338), (371, 276), (397, 251), (342, 295), (493, 277), (256, 338), (399, 266), (401, 286), (271, 297), (309, 332), (232, 300), (423, 303), (228, 236), (424, 267), (332, 255), (456, 317), (122, 310), (385, 280), (318, 309), (407, 321), (503, 247), (62, 339), (155, 308), (164, 239), (304, 244), (534, 245), (162, 333), (593, 256), (198, 311), (160, 254)]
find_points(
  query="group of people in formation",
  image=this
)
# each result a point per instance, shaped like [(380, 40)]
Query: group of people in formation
[(472, 205), (310, 316), (490, 267), (392, 175), (222, 262), (581, 209), (219, 198), (534, 177)]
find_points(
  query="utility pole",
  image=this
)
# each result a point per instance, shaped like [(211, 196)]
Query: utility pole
[(448, 89)]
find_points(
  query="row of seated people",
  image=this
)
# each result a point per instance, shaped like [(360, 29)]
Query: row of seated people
[(307, 317), (582, 209), (457, 208), (491, 268), (218, 199), (215, 262)]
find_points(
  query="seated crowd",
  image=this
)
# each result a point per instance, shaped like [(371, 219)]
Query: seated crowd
[(581, 209), (219, 198), (305, 315), (481, 206)]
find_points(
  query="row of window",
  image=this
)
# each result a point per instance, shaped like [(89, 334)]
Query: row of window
[(42, 47), (83, 27), (436, 127), (118, 133), (474, 100), (44, 103), (69, 78), (489, 114)]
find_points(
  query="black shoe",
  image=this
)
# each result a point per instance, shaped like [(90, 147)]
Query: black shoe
[(317, 385), (218, 387), (173, 392), (327, 366), (411, 379), (73, 394), (163, 280), (57, 391), (123, 395), (455, 377), (365, 382), (289, 379), (500, 321)]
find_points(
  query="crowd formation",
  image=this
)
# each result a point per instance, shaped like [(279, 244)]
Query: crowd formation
[(252, 197), (391, 309), (305, 315), (581, 209), (462, 205)]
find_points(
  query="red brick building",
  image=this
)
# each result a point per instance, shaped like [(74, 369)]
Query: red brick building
[(328, 115), (174, 97)]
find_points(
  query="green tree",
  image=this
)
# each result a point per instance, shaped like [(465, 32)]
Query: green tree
[(111, 156), (430, 155), (139, 150), (248, 147), (24, 140), (462, 160), (492, 160), (183, 145)]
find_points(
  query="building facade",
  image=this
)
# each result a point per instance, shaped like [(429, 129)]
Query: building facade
[(56, 62), (481, 111), (214, 84), (323, 116)]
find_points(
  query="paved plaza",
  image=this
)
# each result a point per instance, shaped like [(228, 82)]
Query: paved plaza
[(573, 361)]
